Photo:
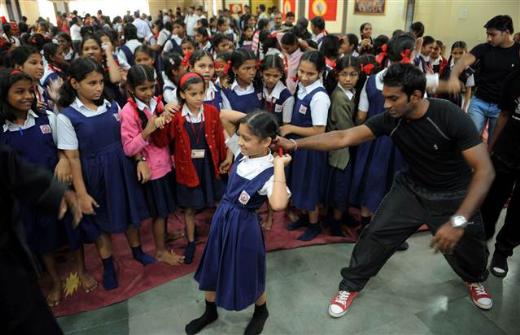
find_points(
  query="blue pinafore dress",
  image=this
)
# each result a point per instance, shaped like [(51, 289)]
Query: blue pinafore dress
[(233, 263), (217, 98), (308, 169), (376, 161), (108, 173), (210, 189), (246, 103), (44, 233)]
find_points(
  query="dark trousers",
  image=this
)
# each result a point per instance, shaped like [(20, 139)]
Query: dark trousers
[(403, 210), (23, 309), (505, 185)]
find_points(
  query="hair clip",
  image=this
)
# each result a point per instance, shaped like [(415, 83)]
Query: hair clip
[(227, 67), (405, 56), (367, 68), (382, 55)]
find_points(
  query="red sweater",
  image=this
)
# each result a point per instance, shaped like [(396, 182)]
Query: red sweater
[(175, 132)]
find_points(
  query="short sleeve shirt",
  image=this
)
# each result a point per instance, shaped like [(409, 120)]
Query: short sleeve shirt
[(432, 145)]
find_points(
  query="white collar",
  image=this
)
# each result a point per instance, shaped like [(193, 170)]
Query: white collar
[(79, 105), (9, 125), (277, 90), (349, 93), (142, 106), (167, 81), (236, 87), (190, 116), (262, 159), (308, 89)]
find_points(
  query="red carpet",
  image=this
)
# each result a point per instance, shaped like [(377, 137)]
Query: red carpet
[(134, 278)]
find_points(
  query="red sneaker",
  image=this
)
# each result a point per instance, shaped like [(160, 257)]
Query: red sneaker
[(340, 303), (479, 296)]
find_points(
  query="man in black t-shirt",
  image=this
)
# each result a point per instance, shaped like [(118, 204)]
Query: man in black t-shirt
[(505, 148), (449, 173), (494, 60)]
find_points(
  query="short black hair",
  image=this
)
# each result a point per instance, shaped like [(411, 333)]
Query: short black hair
[(130, 32), (318, 22), (501, 23), (406, 76), (289, 14), (417, 28), (289, 38), (428, 40)]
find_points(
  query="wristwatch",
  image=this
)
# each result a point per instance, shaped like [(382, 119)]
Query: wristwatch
[(458, 221)]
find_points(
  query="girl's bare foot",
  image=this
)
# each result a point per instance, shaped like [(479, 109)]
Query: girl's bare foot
[(169, 257), (54, 296), (88, 283)]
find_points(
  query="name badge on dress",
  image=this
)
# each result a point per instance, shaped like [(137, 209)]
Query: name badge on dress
[(303, 110), (244, 198), (46, 129), (260, 96), (278, 108), (198, 153)]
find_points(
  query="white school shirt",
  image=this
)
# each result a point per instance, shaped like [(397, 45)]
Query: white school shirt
[(319, 105), (143, 28), (239, 91), (67, 139), (30, 122), (121, 57), (169, 46), (249, 168), (75, 32), (169, 95), (164, 35), (207, 46), (288, 105), (432, 81), (142, 106), (191, 21), (190, 116), (349, 93), (210, 92), (470, 82)]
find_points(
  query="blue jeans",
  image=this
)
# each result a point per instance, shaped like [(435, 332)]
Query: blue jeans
[(481, 111)]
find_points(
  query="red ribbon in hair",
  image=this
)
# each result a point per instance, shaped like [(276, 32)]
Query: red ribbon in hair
[(188, 76), (227, 67), (330, 63), (382, 55), (295, 78), (15, 71), (367, 68), (186, 60), (259, 64), (405, 56), (272, 35)]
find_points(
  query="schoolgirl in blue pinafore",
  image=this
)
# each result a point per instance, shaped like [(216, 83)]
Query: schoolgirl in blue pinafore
[(108, 174), (275, 101), (214, 96), (246, 103), (377, 161), (307, 165), (235, 272), (44, 233)]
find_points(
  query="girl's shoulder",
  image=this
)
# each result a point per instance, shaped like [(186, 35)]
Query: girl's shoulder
[(211, 111)]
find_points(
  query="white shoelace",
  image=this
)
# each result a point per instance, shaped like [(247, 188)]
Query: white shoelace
[(479, 288), (342, 297)]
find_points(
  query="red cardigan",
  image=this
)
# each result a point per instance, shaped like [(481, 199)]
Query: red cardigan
[(175, 132)]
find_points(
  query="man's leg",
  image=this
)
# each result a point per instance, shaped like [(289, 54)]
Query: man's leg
[(492, 114), (477, 112), (399, 215), (496, 198)]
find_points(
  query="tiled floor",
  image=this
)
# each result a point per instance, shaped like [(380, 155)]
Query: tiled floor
[(415, 293)]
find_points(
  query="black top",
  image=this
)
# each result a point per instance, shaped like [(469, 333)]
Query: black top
[(507, 146), (494, 64), (432, 145)]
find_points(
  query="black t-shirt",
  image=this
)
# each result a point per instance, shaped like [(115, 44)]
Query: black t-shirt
[(432, 145), (507, 146), (494, 64)]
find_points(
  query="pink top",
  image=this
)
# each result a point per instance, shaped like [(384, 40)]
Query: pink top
[(292, 61), (158, 159)]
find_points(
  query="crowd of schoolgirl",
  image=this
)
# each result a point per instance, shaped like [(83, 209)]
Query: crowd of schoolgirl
[(142, 129)]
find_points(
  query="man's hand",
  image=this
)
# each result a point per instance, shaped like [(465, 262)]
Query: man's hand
[(70, 202), (446, 238), (282, 142)]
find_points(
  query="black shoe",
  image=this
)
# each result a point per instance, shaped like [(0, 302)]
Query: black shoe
[(189, 253), (301, 222), (498, 265), (311, 232), (404, 246), (335, 228)]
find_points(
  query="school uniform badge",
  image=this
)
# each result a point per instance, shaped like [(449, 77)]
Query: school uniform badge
[(46, 129), (244, 198), (303, 110), (260, 96)]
